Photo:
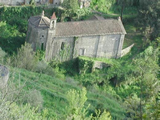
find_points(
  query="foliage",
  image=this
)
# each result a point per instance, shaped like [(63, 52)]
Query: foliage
[(104, 116), (43, 67), (32, 2), (102, 5), (13, 25), (132, 104), (10, 37), (152, 109), (129, 2), (34, 98), (64, 54), (13, 111), (71, 4), (12, 105), (76, 109), (2, 56), (68, 67), (76, 100), (148, 19), (25, 58), (73, 12), (18, 16), (146, 71), (84, 65)]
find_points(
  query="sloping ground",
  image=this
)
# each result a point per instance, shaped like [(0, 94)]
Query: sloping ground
[(54, 90), (132, 36)]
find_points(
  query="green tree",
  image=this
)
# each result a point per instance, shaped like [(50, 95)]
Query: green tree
[(12, 107), (149, 19), (10, 38), (145, 75), (102, 116), (71, 5), (76, 108)]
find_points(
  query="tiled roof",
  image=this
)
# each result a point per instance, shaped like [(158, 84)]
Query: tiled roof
[(96, 17), (40, 21), (85, 28), (81, 28), (53, 16)]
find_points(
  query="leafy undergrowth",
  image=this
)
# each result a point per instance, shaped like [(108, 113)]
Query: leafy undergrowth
[(54, 92)]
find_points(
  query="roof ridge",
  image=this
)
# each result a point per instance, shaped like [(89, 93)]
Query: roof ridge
[(40, 21), (44, 22), (88, 21)]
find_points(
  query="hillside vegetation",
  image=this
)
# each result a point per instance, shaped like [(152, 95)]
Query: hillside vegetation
[(126, 88)]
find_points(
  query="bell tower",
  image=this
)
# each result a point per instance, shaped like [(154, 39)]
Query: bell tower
[(53, 21)]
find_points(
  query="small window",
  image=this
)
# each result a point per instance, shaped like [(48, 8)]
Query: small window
[(82, 51), (62, 45), (42, 46)]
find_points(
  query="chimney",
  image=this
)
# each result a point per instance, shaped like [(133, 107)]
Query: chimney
[(53, 19)]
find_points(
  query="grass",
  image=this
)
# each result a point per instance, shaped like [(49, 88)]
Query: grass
[(52, 89), (54, 92)]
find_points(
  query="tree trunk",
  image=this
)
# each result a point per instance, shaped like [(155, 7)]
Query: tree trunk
[(122, 8)]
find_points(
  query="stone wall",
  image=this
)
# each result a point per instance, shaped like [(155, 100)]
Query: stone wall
[(108, 46), (98, 46), (126, 50), (37, 37), (99, 65), (4, 75), (59, 48), (86, 46), (42, 38)]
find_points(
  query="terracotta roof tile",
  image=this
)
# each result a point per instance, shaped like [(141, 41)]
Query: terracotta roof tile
[(53, 16)]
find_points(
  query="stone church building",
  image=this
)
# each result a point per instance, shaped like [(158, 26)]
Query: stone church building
[(92, 38)]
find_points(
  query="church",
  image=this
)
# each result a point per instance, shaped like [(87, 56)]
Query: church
[(92, 38)]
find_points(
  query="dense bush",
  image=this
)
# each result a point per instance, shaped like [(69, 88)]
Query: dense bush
[(84, 65), (10, 37), (25, 58)]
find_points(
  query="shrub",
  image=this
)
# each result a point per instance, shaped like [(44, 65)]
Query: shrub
[(34, 98), (43, 67), (25, 58)]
